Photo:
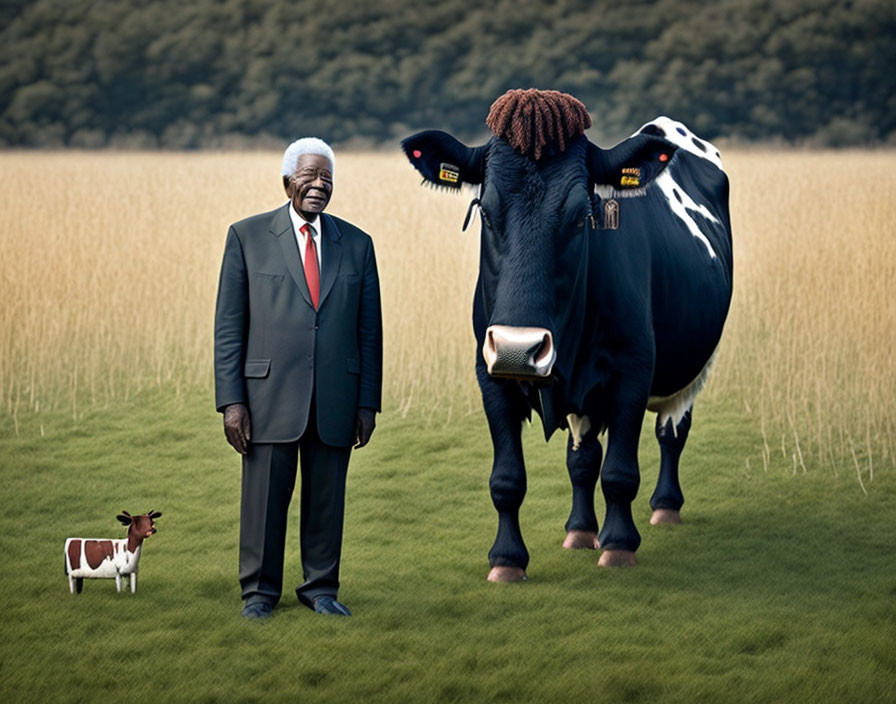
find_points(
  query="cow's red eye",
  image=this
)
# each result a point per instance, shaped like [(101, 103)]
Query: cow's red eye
[(417, 153), (664, 157)]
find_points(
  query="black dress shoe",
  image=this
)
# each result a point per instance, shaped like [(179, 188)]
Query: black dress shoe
[(258, 609), (329, 605)]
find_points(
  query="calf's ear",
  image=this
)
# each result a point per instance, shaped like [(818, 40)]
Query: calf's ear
[(124, 517), (154, 514), (631, 164), (444, 161)]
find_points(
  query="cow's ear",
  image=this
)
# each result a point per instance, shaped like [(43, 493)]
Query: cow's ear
[(154, 514), (124, 517), (631, 164), (444, 161)]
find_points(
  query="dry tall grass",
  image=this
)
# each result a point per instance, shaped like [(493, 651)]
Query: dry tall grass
[(110, 266), (110, 261), (811, 342)]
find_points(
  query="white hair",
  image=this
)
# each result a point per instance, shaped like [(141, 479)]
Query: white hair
[(306, 145)]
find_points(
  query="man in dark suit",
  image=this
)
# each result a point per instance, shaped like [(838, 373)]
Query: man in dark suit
[(298, 371)]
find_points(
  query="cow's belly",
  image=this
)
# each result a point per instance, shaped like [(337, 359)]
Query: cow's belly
[(687, 328), (106, 569), (677, 366), (675, 405)]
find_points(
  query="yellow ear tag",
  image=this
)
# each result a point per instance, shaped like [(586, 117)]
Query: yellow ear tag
[(631, 177), (449, 173)]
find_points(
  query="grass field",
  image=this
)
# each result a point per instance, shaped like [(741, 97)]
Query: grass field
[(779, 586)]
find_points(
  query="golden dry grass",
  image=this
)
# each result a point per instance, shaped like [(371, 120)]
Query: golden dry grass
[(810, 345), (110, 266)]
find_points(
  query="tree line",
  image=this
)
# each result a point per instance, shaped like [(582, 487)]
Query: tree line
[(236, 73)]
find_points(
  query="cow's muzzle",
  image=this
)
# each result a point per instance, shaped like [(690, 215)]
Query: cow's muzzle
[(520, 353)]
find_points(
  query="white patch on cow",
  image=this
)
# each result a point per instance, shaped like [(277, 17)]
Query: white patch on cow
[(666, 183), (682, 203), (674, 130), (676, 405), (578, 427)]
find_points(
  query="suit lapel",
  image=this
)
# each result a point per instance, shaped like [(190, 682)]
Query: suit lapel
[(281, 228), (331, 255)]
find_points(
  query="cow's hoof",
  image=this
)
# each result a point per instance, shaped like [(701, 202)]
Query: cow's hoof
[(617, 558), (667, 516), (581, 540), (507, 574)]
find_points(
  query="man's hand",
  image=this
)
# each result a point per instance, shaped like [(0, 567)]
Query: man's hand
[(237, 427), (364, 425)]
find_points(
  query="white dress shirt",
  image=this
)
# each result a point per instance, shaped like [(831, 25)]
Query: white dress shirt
[(297, 222)]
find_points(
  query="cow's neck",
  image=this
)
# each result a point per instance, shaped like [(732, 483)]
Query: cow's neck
[(134, 542)]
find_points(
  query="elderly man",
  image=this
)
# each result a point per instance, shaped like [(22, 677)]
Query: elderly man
[(298, 371)]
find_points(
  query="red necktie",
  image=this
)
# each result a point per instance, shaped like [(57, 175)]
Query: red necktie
[(312, 271)]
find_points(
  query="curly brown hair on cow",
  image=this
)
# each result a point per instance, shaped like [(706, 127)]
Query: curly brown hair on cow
[(532, 120)]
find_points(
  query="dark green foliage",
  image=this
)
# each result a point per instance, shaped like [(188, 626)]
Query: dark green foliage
[(180, 74)]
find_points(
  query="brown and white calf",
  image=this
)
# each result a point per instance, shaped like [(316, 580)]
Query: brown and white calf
[(98, 559)]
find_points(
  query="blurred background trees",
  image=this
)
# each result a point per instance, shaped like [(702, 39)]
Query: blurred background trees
[(238, 73)]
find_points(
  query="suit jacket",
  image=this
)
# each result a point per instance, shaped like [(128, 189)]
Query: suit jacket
[(272, 348)]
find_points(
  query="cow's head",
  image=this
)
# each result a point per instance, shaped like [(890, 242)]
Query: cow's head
[(537, 179), (140, 527)]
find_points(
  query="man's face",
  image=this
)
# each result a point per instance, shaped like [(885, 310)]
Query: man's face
[(311, 185)]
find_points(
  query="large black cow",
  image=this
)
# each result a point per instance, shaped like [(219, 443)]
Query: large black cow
[(604, 283)]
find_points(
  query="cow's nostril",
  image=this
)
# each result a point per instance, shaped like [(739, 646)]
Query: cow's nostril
[(544, 350)]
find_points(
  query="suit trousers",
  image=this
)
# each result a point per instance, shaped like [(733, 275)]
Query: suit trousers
[(269, 477)]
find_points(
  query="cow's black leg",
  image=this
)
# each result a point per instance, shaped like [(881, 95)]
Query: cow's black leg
[(583, 465), (667, 498), (620, 477), (79, 584), (505, 409)]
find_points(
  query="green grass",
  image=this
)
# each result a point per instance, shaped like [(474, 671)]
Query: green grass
[(779, 587)]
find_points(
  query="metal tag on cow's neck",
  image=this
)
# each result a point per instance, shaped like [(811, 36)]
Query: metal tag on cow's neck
[(611, 214)]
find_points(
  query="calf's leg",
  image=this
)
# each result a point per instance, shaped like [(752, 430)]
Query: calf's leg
[(667, 498)]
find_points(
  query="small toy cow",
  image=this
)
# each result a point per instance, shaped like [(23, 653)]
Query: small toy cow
[(94, 559)]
